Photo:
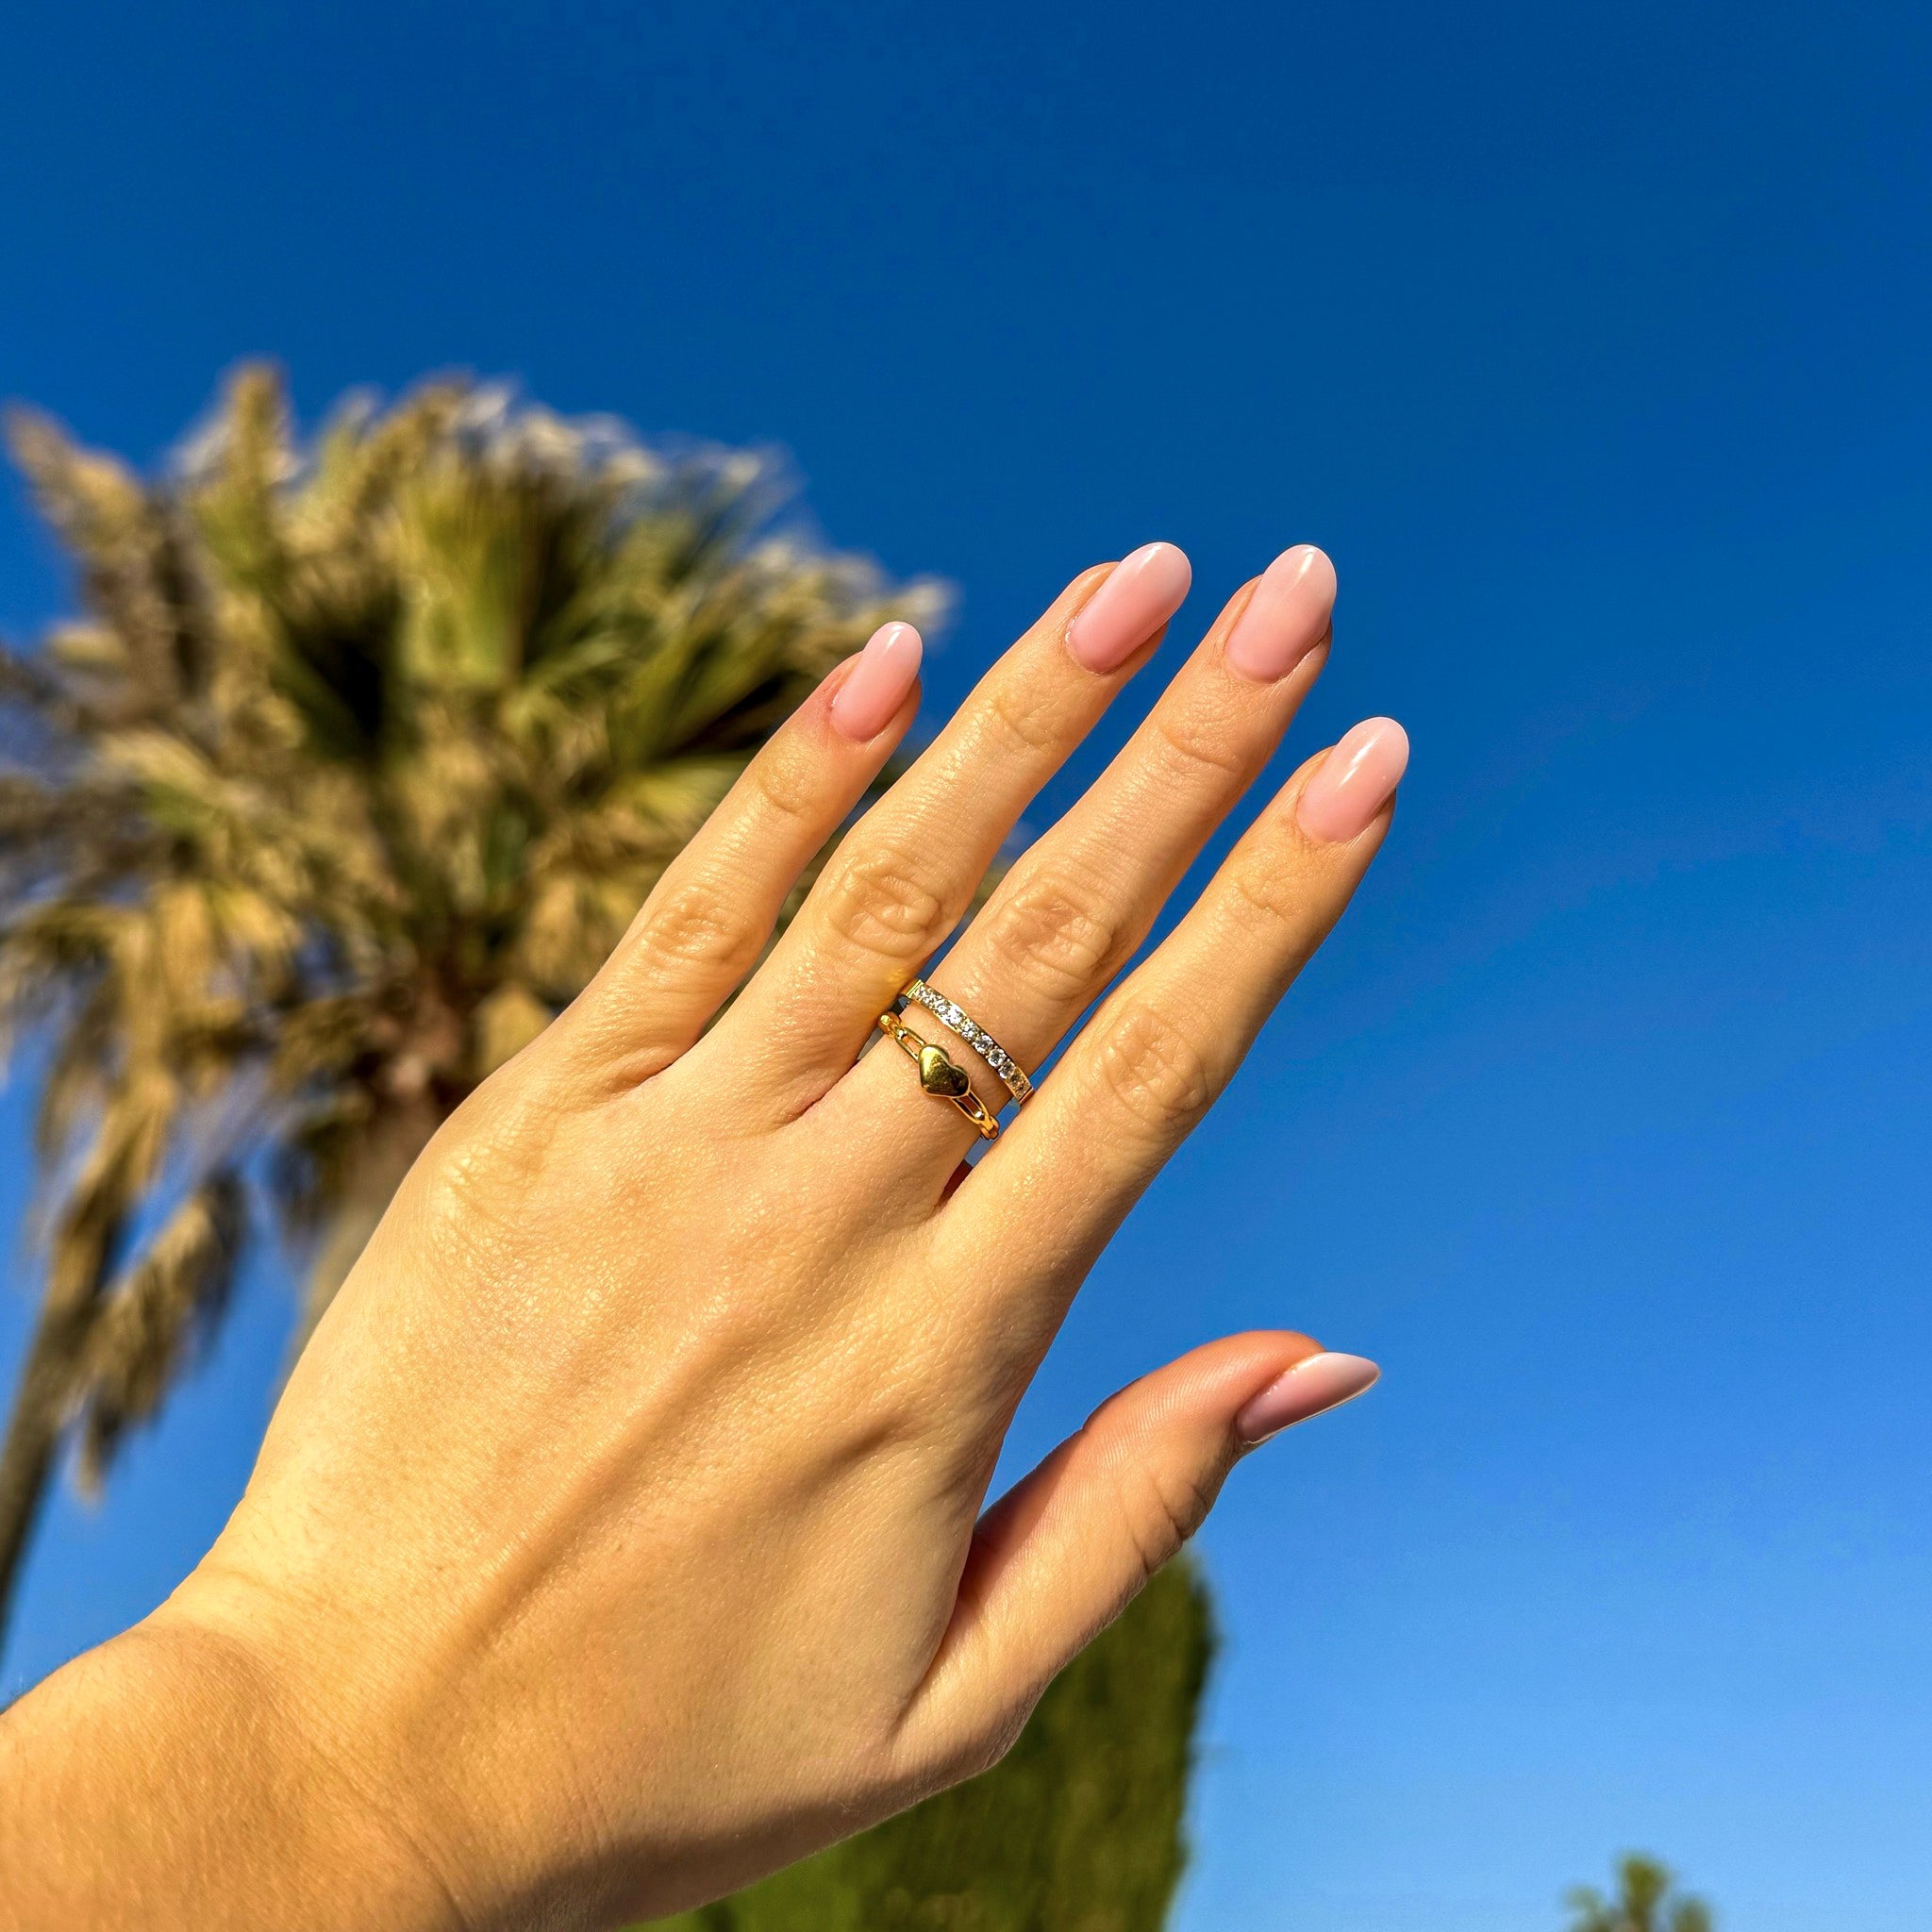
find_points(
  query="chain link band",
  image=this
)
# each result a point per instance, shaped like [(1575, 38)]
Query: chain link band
[(941, 1075)]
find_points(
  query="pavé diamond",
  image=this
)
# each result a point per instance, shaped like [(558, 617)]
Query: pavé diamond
[(975, 1035)]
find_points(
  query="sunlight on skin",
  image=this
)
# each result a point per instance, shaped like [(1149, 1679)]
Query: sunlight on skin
[(620, 1535)]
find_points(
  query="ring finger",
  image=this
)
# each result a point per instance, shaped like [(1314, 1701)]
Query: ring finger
[(1075, 907)]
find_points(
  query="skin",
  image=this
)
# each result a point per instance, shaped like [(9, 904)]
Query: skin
[(619, 1536)]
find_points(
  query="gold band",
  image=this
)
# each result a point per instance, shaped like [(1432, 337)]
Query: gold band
[(938, 1075), (975, 1036)]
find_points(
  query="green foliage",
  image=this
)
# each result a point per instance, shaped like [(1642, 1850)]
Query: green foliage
[(356, 763), (1078, 1829), (1644, 1901)]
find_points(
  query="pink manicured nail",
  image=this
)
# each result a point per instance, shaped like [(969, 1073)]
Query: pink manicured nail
[(1143, 591), (1355, 781), (1287, 617), (869, 700), (1315, 1383)]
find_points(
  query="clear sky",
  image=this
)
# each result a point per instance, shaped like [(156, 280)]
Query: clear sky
[(1591, 341)]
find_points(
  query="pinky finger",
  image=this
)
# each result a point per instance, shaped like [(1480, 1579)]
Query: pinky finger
[(708, 919)]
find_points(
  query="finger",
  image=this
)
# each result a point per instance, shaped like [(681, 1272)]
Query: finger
[(708, 919), (1077, 904), (905, 872), (1168, 1040), (1065, 1551)]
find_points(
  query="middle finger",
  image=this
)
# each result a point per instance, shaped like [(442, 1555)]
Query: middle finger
[(909, 869)]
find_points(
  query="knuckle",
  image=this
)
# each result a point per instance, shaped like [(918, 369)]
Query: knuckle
[(1262, 897), (698, 924), (1059, 936), (1161, 1509), (1024, 723), (786, 787), (879, 903), (1197, 740), (477, 1183), (1153, 1069)]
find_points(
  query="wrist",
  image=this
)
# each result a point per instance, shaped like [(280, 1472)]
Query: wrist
[(175, 1777)]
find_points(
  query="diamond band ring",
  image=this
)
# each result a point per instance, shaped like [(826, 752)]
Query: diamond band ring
[(982, 1043)]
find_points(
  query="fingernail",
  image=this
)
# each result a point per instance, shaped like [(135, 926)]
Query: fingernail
[(1315, 1383), (1142, 592), (869, 700), (1355, 781), (1287, 617)]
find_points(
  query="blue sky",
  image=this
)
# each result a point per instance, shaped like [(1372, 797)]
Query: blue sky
[(1591, 340)]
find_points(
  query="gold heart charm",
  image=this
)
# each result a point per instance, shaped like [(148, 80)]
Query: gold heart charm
[(938, 1074)]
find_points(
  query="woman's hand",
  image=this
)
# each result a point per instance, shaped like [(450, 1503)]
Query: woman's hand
[(619, 1535)]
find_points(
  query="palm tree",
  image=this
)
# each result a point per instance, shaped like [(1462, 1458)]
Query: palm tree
[(357, 762), (1645, 1901)]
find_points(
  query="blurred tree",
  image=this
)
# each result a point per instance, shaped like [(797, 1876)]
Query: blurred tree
[(357, 762), (1644, 1902), (1078, 1829)]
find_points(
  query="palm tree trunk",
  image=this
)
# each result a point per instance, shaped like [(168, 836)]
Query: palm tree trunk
[(33, 1434), (78, 1259)]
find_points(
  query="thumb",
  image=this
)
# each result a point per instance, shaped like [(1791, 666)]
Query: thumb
[(1070, 1546)]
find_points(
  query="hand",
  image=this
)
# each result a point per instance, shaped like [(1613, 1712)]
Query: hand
[(618, 1537)]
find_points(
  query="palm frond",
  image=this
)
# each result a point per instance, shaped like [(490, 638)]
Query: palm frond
[(151, 1318), (358, 756)]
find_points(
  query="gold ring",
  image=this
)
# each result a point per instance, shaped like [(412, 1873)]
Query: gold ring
[(975, 1036), (941, 1076)]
